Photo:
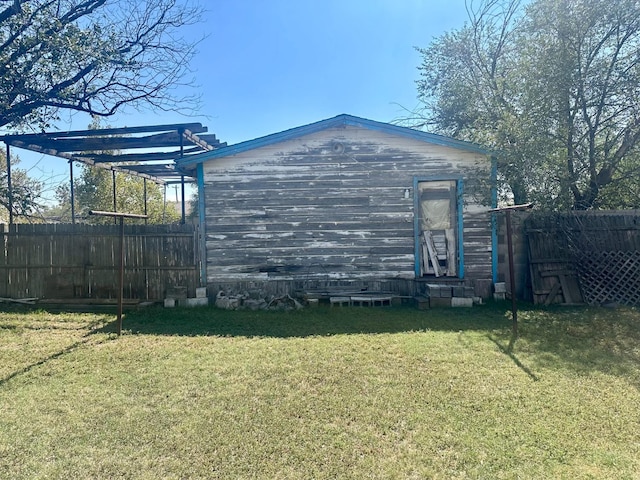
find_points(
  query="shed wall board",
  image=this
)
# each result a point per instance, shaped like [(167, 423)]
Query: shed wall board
[(331, 205)]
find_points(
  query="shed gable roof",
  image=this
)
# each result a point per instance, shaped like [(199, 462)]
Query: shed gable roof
[(338, 121)]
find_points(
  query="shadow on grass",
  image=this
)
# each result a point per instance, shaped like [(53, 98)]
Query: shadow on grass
[(508, 351), (582, 339), (87, 338), (310, 322)]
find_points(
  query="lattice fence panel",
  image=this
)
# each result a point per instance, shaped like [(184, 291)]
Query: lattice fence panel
[(610, 277)]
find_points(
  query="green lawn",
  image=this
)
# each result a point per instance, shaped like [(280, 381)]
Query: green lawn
[(322, 393)]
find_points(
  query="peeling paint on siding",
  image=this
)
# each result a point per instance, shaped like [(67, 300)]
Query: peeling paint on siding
[(299, 210)]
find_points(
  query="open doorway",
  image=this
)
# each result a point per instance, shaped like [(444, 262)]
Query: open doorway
[(437, 228)]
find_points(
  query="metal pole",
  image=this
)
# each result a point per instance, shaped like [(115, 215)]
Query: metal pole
[(512, 280), (145, 199), (115, 205), (184, 216), (184, 211), (9, 186), (164, 204), (120, 216), (73, 203), (121, 282)]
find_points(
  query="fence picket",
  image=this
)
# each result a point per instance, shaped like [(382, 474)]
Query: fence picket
[(601, 247), (79, 261)]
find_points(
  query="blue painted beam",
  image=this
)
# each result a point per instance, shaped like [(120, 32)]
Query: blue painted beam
[(202, 227), (187, 163)]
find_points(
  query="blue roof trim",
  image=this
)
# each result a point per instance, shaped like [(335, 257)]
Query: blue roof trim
[(341, 120)]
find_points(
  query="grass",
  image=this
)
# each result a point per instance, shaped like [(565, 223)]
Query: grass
[(322, 393)]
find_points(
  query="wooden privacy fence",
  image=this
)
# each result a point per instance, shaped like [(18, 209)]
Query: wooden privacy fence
[(591, 257), (82, 261)]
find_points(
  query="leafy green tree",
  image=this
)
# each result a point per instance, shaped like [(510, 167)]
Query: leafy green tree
[(552, 86), (26, 191), (93, 190)]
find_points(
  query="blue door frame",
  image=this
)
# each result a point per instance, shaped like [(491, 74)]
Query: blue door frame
[(459, 218)]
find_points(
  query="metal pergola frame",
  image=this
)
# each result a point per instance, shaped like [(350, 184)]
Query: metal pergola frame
[(148, 152)]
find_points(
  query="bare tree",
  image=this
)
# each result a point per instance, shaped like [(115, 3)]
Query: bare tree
[(92, 56)]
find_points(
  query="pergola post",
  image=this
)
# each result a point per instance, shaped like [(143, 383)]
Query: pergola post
[(71, 185), (9, 186), (115, 203), (183, 210), (145, 200), (164, 203)]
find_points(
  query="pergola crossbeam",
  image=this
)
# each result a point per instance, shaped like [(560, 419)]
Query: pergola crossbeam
[(85, 160), (190, 136), (141, 157), (91, 147), (101, 132), (156, 148)]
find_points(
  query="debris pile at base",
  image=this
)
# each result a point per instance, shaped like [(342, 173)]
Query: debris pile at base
[(255, 300)]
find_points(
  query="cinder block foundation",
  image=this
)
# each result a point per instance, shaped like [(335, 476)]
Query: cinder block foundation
[(169, 302), (461, 302), (196, 302), (439, 302)]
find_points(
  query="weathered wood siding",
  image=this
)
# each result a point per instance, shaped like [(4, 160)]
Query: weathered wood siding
[(330, 205)]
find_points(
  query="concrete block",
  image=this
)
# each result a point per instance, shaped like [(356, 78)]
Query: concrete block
[(422, 303), (201, 292), (433, 291), (445, 292), (169, 302), (461, 302), (196, 302), (458, 291), (439, 302), (499, 296), (500, 287)]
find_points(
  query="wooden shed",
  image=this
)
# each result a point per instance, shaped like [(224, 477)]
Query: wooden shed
[(346, 203)]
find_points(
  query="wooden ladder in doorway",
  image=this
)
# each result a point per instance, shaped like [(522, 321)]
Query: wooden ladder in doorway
[(432, 254)]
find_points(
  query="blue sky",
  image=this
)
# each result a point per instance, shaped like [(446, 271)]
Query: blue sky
[(266, 66), (271, 65)]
